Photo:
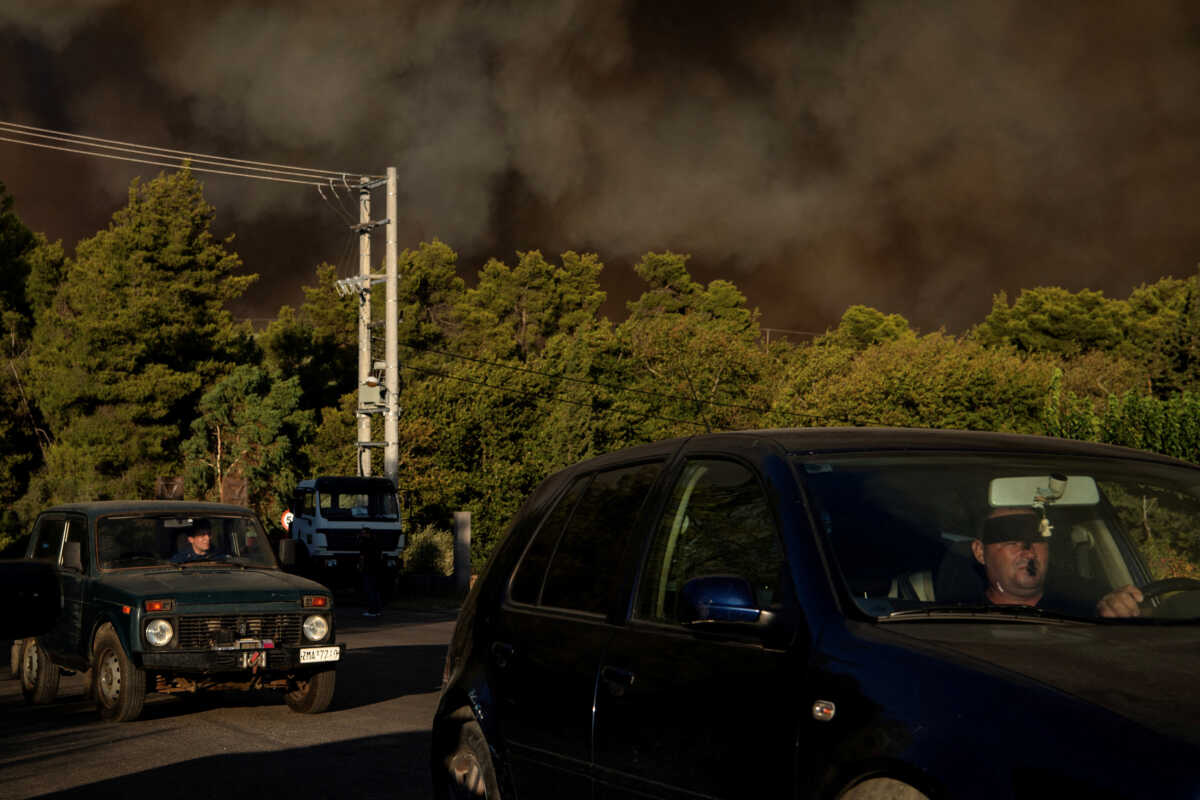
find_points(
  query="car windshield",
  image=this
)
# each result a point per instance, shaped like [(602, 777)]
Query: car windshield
[(152, 540), (915, 536)]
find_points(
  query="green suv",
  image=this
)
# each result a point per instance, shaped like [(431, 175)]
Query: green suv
[(175, 597)]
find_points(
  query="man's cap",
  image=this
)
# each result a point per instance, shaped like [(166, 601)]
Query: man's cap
[(1011, 525)]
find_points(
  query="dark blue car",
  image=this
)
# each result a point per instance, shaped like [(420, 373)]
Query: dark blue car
[(836, 613)]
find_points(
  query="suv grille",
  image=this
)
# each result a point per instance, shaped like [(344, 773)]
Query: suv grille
[(225, 630)]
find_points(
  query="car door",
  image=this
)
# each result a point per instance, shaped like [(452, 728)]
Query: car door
[(74, 578), (46, 544), (681, 712), (553, 628)]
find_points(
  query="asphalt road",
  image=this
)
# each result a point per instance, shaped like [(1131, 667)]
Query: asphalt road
[(372, 742)]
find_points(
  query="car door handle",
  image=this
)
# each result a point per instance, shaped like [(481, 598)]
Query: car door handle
[(502, 653), (616, 680)]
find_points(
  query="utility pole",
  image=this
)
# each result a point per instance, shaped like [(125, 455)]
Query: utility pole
[(391, 427), (364, 321), (373, 398)]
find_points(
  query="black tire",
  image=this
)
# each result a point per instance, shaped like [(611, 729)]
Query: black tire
[(313, 693), (464, 770), (14, 658), (39, 675), (119, 687)]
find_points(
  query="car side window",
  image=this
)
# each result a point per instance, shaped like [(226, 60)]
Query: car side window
[(47, 539), (77, 538), (587, 559), (718, 522), (527, 583), (305, 504)]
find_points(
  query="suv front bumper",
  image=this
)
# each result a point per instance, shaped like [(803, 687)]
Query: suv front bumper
[(276, 659)]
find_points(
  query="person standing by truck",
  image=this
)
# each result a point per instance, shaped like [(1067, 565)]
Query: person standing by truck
[(370, 562)]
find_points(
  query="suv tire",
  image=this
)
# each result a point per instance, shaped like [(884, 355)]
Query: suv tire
[(119, 685), (39, 675), (467, 772), (312, 694)]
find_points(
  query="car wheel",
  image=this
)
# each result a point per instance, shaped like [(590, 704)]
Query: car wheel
[(312, 694), (883, 789), (466, 766), (119, 685), (39, 675), (14, 658)]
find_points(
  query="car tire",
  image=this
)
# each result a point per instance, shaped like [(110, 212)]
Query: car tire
[(466, 769), (313, 694), (14, 658), (883, 789), (119, 687), (39, 675)]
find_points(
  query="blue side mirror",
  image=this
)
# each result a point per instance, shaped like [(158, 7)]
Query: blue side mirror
[(718, 599)]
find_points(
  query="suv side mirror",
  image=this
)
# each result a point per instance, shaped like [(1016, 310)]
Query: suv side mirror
[(718, 598), (726, 604), (71, 558), (287, 552)]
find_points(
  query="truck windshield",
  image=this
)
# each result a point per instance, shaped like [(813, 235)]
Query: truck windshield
[(378, 505), (151, 540)]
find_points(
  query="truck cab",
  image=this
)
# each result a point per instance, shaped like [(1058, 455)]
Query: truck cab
[(327, 515)]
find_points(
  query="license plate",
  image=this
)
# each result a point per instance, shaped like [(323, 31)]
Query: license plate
[(309, 655), (254, 658)]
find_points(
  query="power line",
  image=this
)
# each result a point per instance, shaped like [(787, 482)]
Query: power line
[(164, 152), (176, 165)]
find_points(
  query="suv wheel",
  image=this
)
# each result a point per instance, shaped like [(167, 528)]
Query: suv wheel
[(39, 675), (120, 687), (466, 766), (312, 694)]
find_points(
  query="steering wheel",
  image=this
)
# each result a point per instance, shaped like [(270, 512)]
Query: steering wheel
[(1166, 585)]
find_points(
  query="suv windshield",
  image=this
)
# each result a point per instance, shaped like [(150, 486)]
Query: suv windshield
[(917, 535), (151, 540)]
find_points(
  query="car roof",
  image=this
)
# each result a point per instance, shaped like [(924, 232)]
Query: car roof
[(798, 441), (871, 439), (99, 508)]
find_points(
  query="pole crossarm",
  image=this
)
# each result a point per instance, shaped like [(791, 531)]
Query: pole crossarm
[(367, 227)]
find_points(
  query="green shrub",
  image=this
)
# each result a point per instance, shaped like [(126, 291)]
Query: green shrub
[(430, 551)]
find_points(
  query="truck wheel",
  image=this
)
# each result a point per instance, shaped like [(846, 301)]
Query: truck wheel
[(120, 687), (313, 693), (39, 675)]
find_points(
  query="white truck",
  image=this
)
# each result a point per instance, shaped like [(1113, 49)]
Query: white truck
[(327, 515)]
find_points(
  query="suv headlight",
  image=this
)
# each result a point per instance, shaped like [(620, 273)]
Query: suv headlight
[(159, 632), (316, 628)]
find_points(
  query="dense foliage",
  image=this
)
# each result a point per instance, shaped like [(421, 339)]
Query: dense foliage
[(123, 366)]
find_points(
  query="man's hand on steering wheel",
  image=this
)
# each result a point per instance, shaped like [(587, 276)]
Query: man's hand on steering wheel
[(1123, 602)]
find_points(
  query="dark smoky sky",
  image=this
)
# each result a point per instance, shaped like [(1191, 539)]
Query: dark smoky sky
[(913, 156)]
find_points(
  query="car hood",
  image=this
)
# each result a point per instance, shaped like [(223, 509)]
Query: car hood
[(1146, 673), (198, 585)]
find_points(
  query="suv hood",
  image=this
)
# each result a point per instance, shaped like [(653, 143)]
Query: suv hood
[(1145, 673), (195, 585)]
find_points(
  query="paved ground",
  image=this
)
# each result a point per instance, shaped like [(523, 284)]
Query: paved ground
[(373, 742)]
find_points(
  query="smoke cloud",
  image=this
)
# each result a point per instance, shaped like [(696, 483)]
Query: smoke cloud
[(917, 157)]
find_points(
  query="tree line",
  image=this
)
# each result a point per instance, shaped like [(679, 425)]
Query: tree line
[(124, 364)]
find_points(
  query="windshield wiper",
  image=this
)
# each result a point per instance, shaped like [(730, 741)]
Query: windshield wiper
[(984, 610)]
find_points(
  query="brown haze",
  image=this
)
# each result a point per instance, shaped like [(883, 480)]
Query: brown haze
[(917, 157)]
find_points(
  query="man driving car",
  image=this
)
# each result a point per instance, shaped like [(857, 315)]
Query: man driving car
[(1014, 552), (199, 544)]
